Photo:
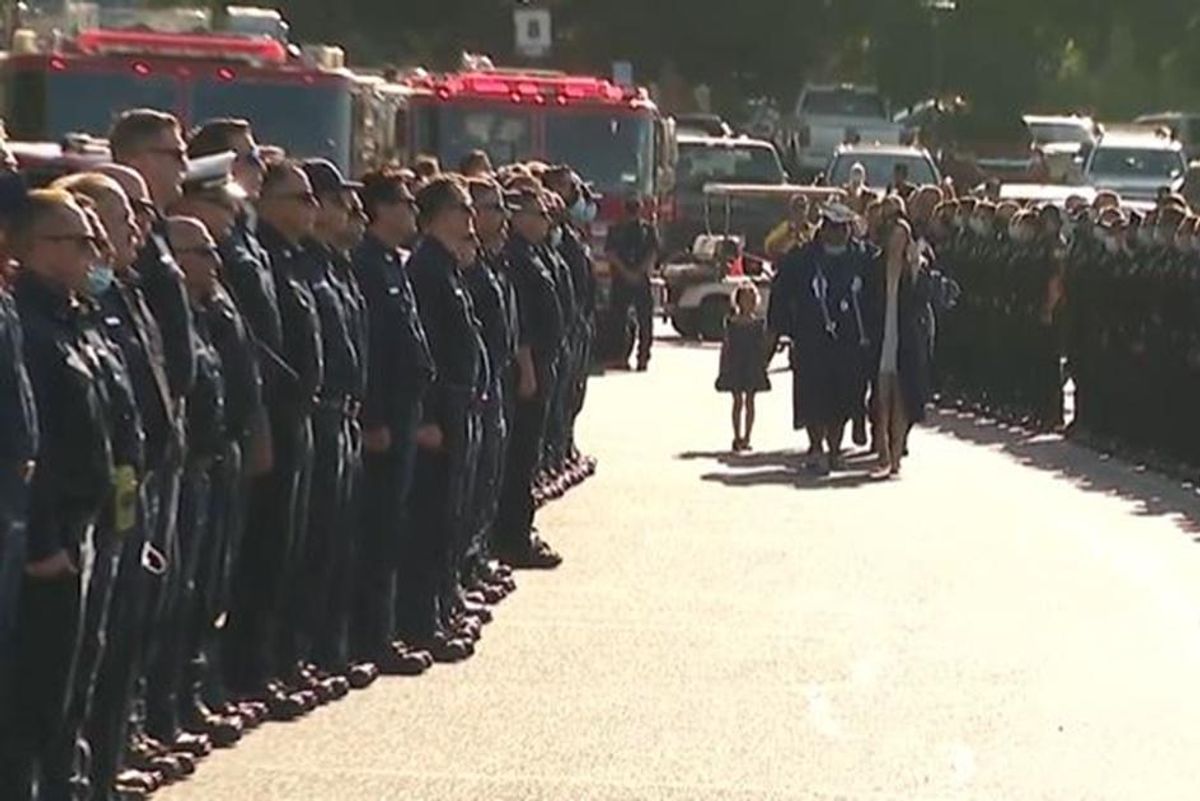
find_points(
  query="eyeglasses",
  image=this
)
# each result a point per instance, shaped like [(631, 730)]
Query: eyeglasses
[(252, 158), (211, 251), (80, 240), (307, 198), (144, 207), (178, 155)]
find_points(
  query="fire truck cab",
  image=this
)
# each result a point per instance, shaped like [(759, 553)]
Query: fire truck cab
[(173, 59), (614, 136)]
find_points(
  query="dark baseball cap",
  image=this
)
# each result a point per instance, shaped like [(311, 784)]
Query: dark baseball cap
[(325, 177), (388, 188)]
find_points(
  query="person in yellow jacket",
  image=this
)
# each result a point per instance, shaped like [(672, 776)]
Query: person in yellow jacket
[(790, 233)]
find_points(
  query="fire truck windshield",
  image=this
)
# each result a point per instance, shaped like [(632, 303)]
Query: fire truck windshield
[(613, 150), (306, 120), (49, 105), (452, 131)]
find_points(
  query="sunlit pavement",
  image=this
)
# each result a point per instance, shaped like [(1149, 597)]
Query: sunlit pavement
[(1013, 619)]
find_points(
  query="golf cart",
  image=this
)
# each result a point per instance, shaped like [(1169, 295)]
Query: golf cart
[(699, 284)]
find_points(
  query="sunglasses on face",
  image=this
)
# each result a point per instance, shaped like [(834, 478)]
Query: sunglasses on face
[(252, 158), (307, 198), (81, 241), (209, 251), (177, 155)]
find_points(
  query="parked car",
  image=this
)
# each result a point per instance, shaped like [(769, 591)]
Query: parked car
[(1136, 164), (1063, 143), (879, 161), (700, 124), (828, 116), (708, 160), (1184, 126)]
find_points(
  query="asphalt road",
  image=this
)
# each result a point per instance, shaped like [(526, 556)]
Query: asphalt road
[(1014, 619)]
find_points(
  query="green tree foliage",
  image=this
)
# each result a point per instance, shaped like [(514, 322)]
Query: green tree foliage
[(1116, 57)]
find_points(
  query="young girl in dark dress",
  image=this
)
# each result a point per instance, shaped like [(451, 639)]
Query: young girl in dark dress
[(743, 370)]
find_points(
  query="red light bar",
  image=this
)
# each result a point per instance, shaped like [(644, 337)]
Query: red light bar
[(100, 41), (538, 89)]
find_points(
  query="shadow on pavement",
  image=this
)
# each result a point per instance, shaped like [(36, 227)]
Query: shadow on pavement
[(784, 468), (1154, 493)]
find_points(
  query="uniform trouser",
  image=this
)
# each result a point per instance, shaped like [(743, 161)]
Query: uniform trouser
[(579, 388), (163, 492), (166, 668), (331, 533), (260, 644), (642, 300), (204, 683), (554, 441), (465, 450), (36, 744), (107, 727), (93, 645), (13, 502), (488, 476), (333, 651), (514, 521), (388, 568), (440, 483)]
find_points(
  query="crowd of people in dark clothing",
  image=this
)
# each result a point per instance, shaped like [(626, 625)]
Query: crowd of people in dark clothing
[(1000, 306), (1098, 293), (268, 433)]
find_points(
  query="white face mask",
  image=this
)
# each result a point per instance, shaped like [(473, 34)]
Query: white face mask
[(1112, 243)]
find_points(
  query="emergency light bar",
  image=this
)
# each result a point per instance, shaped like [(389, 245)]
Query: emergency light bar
[(532, 87), (101, 41)]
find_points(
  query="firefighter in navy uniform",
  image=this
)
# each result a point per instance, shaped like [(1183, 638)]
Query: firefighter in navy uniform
[(151, 142), (130, 325), (211, 197), (492, 296), (269, 571), (387, 608), (581, 208), (332, 524), (632, 248), (18, 446), (56, 247), (553, 458), (446, 437), (18, 449), (221, 410), (246, 269), (541, 332)]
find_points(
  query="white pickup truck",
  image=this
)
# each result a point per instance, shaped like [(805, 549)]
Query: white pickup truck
[(829, 116)]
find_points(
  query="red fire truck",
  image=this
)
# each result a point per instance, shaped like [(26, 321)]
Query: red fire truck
[(612, 135), (53, 87)]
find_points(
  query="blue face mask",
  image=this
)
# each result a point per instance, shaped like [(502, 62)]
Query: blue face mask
[(583, 211), (100, 277)]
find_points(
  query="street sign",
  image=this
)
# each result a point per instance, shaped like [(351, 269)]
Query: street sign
[(622, 73), (533, 31)]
